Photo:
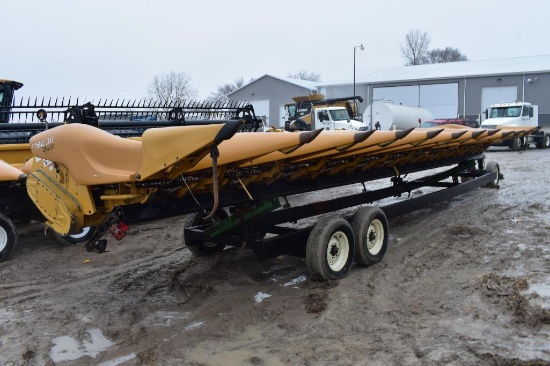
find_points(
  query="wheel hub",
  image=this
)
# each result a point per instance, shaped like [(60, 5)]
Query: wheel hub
[(375, 237), (337, 251), (3, 239)]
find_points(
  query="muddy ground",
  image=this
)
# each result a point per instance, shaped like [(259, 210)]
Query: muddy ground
[(466, 282)]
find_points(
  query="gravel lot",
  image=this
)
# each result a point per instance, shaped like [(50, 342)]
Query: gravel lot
[(466, 282)]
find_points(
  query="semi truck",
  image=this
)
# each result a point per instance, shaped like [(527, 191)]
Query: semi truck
[(517, 114), (314, 111)]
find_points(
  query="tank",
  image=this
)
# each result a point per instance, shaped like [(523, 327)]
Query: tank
[(395, 116)]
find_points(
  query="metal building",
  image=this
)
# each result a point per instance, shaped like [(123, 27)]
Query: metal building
[(458, 89), (270, 93)]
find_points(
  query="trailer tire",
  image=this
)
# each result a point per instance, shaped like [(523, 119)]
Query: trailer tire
[(517, 143), (371, 230), (330, 249), (197, 247), (493, 166), (8, 237), (544, 143), (84, 235)]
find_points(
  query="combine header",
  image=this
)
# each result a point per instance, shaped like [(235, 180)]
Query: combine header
[(234, 187)]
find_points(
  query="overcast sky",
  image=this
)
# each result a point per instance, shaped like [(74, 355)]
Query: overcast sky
[(114, 48)]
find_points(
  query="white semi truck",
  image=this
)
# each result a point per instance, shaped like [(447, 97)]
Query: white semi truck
[(518, 114)]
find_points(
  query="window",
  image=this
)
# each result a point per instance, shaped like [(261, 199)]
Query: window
[(339, 115)]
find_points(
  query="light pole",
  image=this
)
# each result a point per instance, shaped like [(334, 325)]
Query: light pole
[(362, 48)]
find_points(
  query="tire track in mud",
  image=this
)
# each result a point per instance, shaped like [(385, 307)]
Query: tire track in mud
[(28, 290)]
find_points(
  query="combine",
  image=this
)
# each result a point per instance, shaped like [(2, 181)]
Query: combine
[(21, 120)]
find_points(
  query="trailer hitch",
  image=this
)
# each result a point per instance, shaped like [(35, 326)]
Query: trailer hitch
[(114, 224)]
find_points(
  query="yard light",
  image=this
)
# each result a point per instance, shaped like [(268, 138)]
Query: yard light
[(362, 48)]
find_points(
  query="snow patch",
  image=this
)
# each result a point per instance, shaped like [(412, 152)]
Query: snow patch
[(194, 325), (295, 281), (118, 360), (260, 296)]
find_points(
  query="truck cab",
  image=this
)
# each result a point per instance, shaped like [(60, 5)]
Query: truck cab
[(315, 111), (511, 114), (335, 118), (517, 114)]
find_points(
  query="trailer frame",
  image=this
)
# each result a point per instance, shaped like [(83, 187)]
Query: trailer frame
[(250, 223)]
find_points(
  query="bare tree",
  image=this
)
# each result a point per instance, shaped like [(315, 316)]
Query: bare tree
[(305, 75), (170, 88), (447, 54), (226, 89), (415, 48)]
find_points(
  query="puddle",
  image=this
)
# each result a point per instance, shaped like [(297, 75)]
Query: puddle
[(67, 348), (247, 349)]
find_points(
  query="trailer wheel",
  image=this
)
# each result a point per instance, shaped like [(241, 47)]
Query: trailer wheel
[(8, 237), (330, 249), (84, 235), (371, 229), (493, 166), (544, 143), (198, 247)]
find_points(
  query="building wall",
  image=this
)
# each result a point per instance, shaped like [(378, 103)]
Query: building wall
[(278, 93), (537, 91)]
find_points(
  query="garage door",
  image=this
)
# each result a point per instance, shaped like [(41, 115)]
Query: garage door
[(497, 94), (261, 109), (440, 99)]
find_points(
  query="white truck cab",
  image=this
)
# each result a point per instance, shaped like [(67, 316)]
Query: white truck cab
[(335, 118), (517, 114)]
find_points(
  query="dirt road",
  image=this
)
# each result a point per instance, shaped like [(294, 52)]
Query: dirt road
[(464, 283)]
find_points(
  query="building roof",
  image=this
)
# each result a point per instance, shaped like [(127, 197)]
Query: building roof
[(502, 66), (311, 85)]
